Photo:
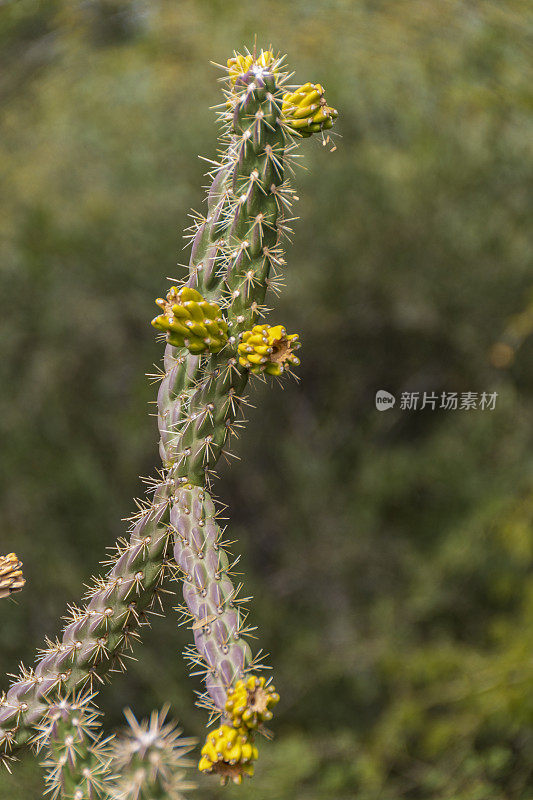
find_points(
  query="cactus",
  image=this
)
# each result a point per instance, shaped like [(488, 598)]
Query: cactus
[(78, 766), (149, 760), (199, 419), (214, 343), (98, 634), (143, 763)]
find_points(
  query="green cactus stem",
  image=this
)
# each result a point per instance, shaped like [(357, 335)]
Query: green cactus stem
[(202, 411), (78, 763), (149, 760), (195, 424)]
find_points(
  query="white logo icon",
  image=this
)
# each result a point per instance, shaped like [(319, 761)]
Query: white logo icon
[(384, 400)]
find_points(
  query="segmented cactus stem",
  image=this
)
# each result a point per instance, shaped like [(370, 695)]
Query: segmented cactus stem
[(200, 399), (78, 763), (149, 760), (221, 652), (98, 635)]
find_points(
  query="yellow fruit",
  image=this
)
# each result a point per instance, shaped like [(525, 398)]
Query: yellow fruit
[(229, 753), (190, 321), (249, 702), (306, 110), (268, 349)]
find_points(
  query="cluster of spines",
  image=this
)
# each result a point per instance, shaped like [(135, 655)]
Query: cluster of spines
[(149, 760)]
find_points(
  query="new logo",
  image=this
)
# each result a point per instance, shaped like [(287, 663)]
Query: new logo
[(384, 400)]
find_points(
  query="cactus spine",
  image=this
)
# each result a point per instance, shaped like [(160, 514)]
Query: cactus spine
[(214, 343)]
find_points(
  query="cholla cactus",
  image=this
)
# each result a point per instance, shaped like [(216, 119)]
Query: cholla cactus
[(79, 759), (215, 342), (143, 763), (11, 577), (236, 257)]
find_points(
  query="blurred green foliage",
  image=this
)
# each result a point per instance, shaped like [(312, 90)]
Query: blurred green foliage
[(390, 554)]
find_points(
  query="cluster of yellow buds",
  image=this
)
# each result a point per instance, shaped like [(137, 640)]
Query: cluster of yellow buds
[(11, 577), (192, 322), (268, 349), (239, 64), (249, 702), (229, 752), (306, 110)]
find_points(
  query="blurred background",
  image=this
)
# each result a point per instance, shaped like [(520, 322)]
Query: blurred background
[(389, 553)]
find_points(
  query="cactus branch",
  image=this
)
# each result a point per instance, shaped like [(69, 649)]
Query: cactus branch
[(99, 634), (149, 760), (78, 766)]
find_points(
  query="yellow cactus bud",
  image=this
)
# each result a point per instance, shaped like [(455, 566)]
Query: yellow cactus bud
[(229, 753), (240, 64), (249, 702), (11, 577), (268, 349), (306, 110), (190, 321)]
